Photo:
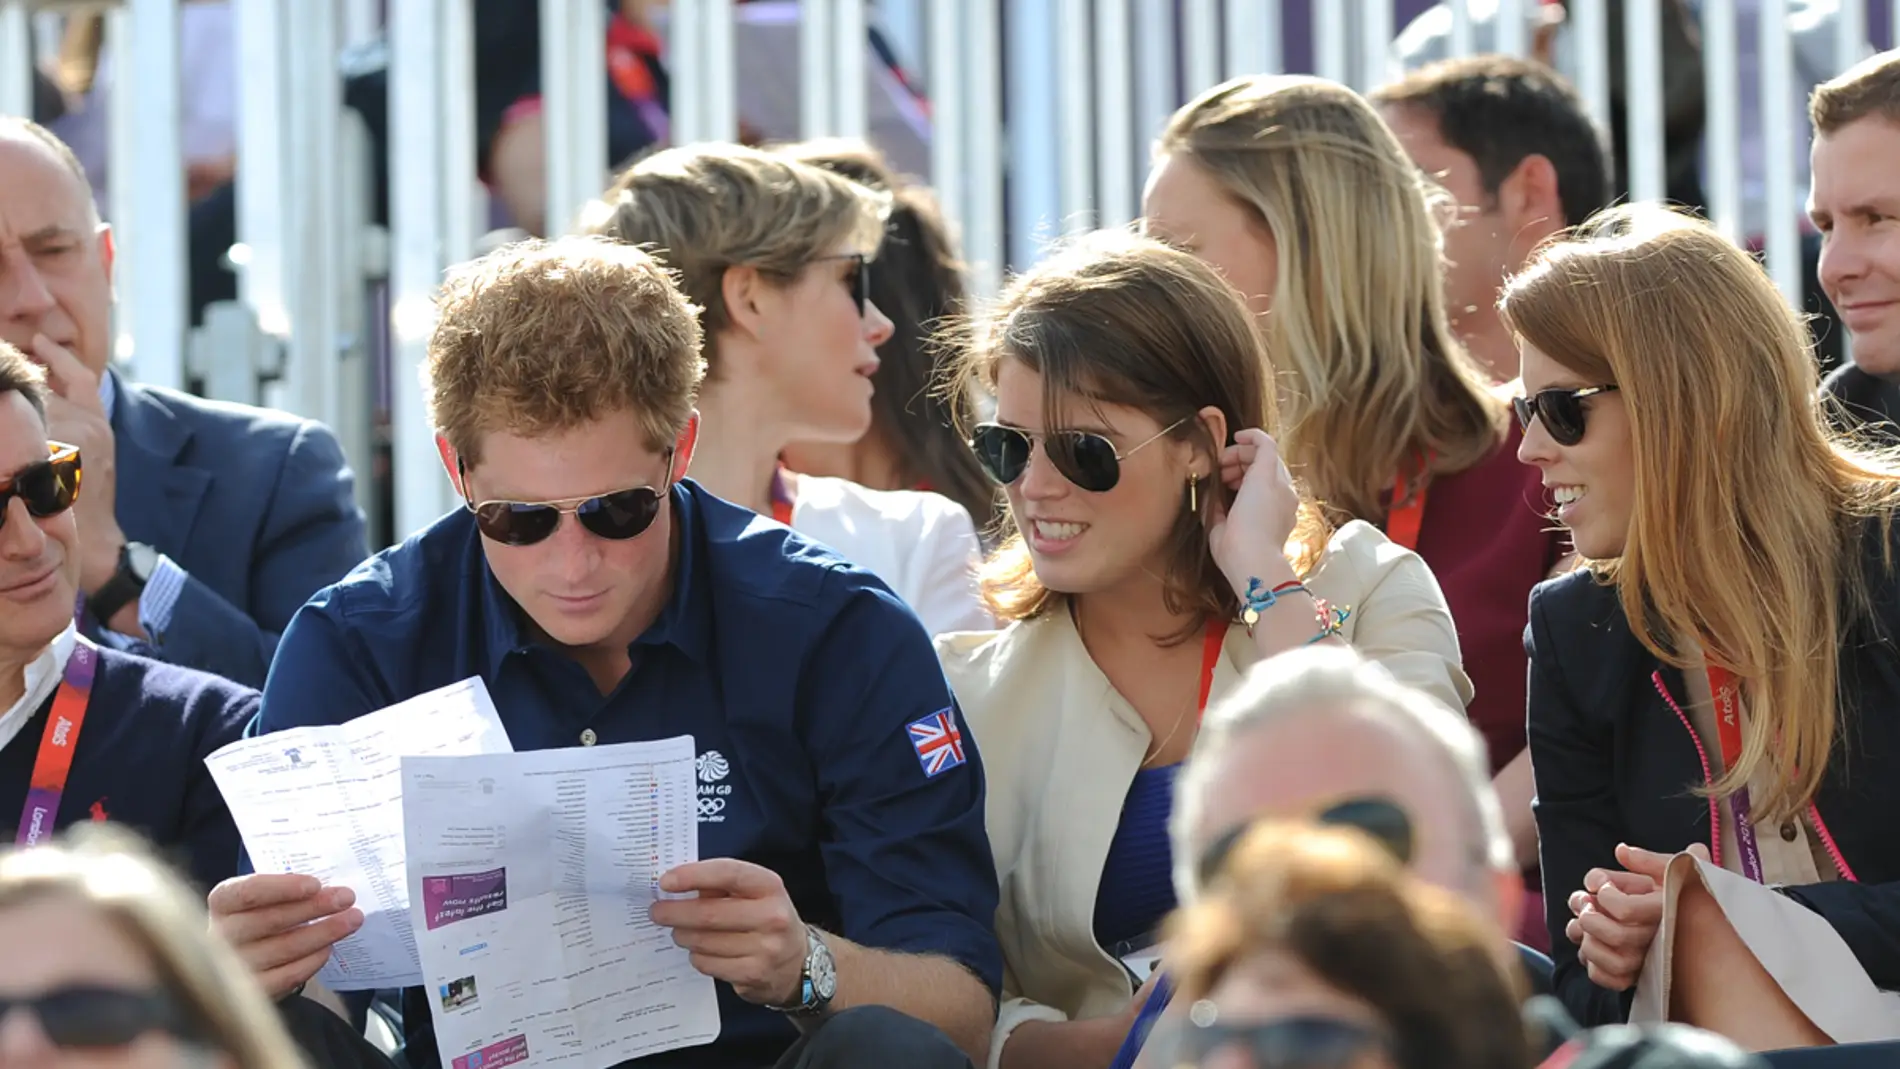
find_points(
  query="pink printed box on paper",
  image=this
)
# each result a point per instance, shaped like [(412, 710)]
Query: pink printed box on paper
[(447, 899)]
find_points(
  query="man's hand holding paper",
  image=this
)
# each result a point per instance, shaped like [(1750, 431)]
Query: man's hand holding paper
[(283, 926), (742, 928)]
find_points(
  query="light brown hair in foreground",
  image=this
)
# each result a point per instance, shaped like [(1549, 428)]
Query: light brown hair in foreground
[(1868, 88), (114, 874), (544, 336), (1125, 320), (1374, 382), (1435, 973), (703, 209), (1748, 517)]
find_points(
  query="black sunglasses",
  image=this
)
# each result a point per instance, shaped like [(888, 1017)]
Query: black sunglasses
[(858, 277), (1560, 409), (1380, 818), (47, 487), (617, 516), (1306, 1042), (95, 1018), (1085, 458)]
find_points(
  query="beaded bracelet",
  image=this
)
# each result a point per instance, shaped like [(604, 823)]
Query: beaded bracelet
[(1260, 598), (1331, 621)]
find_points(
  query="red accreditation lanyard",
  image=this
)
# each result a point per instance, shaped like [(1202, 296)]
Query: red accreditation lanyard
[(1728, 727), (1402, 521), (782, 497), (1210, 657), (57, 743)]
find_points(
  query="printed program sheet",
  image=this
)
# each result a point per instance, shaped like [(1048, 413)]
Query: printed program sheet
[(530, 878), (327, 802)]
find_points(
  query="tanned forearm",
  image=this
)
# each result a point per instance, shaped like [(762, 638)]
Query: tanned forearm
[(1090, 1044), (930, 988)]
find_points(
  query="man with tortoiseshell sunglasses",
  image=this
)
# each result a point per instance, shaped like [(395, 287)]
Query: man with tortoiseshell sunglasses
[(89, 733)]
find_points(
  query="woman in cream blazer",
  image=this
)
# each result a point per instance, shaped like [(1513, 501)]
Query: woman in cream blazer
[(1146, 573)]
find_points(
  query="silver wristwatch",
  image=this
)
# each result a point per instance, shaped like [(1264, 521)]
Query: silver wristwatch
[(819, 983)]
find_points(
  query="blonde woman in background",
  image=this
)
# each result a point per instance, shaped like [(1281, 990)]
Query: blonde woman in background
[(777, 255), (109, 964), (1296, 190), (1157, 548)]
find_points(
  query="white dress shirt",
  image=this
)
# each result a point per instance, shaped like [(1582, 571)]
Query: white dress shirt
[(42, 678)]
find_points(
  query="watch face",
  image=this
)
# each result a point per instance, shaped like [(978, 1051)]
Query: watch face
[(142, 558), (824, 971)]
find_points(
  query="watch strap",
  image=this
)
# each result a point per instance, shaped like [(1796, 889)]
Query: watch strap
[(121, 590), (809, 1003)]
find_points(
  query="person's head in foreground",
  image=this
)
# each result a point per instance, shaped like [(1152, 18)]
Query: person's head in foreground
[(1314, 946), (1324, 734), (1306, 202), (39, 540), (561, 379), (1122, 368), (109, 966), (1853, 201), (1669, 401), (777, 255)]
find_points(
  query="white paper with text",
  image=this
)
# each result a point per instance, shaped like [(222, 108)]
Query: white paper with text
[(327, 802), (530, 878)]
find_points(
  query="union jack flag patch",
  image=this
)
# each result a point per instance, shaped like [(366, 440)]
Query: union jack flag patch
[(938, 742)]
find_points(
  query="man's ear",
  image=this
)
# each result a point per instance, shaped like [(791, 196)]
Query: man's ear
[(1531, 201), (683, 447), (108, 253), (451, 463)]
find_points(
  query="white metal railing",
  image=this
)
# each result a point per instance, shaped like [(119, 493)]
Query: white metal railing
[(1090, 83)]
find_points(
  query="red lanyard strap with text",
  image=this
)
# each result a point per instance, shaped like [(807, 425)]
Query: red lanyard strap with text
[(58, 741), (1728, 728)]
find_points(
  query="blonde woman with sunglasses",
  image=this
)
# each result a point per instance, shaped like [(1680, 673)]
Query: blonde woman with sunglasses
[(1157, 548)]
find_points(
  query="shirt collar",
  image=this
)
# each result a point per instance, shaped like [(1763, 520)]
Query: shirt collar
[(108, 394), (42, 678), (685, 623)]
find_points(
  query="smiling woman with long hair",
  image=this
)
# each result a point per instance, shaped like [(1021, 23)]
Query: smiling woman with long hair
[(1157, 547), (1724, 676)]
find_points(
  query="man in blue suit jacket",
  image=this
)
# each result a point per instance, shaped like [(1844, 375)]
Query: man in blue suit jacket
[(204, 526)]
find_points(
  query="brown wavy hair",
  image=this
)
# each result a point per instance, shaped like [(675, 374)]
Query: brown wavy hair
[(1748, 517), (1437, 974), (1117, 319)]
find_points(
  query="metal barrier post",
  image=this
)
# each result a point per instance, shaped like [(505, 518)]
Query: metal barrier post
[(16, 59), (574, 106), (1642, 35), (148, 192)]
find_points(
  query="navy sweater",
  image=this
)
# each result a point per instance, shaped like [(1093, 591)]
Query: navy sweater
[(140, 761)]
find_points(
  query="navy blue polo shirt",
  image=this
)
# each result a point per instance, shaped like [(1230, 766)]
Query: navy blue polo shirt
[(799, 678), (140, 761)]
